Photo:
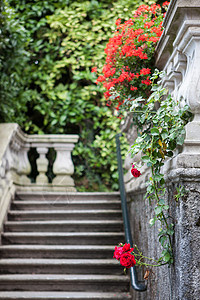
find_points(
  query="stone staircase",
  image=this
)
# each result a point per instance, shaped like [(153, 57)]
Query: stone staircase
[(61, 247)]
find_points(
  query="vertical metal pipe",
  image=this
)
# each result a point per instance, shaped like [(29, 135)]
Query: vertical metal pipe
[(136, 285)]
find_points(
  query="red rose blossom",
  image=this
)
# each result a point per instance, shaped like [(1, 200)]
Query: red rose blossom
[(135, 172), (118, 252), (127, 248), (127, 260)]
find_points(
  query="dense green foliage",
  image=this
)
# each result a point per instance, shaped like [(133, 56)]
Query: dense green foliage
[(54, 90), (13, 57)]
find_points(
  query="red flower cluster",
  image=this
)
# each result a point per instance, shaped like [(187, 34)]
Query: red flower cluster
[(130, 54), (94, 70), (135, 172), (123, 253)]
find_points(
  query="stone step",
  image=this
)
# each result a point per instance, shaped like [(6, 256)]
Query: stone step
[(56, 251), (63, 238), (65, 204), (64, 214), (57, 196), (60, 266), (64, 226), (63, 296), (70, 283)]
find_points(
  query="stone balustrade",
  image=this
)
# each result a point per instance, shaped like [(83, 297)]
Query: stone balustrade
[(15, 166), (63, 166)]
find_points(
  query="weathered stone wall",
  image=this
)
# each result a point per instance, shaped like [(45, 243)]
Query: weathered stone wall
[(178, 53), (182, 280)]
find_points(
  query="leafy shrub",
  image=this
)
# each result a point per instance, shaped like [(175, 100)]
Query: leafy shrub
[(66, 39)]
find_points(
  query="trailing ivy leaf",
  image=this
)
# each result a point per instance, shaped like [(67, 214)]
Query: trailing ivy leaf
[(162, 240), (167, 257), (158, 210)]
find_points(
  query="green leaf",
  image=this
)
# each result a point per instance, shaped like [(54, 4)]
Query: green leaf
[(155, 131), (162, 240), (158, 210), (146, 158), (158, 177), (166, 207), (167, 257)]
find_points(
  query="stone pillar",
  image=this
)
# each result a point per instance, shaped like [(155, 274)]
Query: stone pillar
[(42, 165), (63, 166), (24, 167)]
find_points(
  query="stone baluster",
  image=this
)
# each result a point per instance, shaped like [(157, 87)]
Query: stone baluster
[(24, 165), (63, 166), (42, 165), (11, 163)]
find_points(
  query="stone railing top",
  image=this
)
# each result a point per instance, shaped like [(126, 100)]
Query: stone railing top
[(180, 13), (52, 138), (64, 141)]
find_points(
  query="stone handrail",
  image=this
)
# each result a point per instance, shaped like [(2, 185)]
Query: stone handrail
[(15, 166)]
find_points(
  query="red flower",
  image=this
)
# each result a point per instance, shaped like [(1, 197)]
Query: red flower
[(143, 38), (118, 252), (165, 3), (135, 172), (118, 22), (148, 24), (100, 79), (127, 260), (153, 39), (107, 94), (147, 81), (145, 71), (108, 103), (127, 248), (133, 88), (94, 70)]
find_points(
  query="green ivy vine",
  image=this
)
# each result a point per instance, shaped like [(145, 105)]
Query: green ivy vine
[(160, 121)]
